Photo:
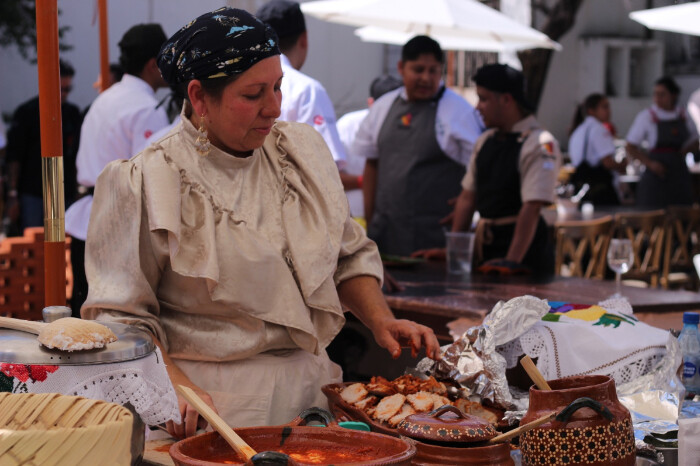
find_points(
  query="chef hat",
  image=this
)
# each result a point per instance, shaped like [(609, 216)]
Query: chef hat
[(224, 42)]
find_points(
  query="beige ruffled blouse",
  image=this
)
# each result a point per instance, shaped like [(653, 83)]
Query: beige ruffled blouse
[(223, 257)]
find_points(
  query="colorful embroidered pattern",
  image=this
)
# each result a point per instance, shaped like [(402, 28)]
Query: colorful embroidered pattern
[(586, 313), (14, 377)]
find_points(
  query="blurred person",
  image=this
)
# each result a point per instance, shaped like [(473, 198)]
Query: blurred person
[(417, 141), (116, 126), (592, 152), (348, 125), (512, 175), (305, 99), (668, 135), (25, 193), (238, 252), (115, 75), (693, 108)]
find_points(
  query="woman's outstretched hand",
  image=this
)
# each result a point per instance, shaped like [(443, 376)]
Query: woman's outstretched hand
[(392, 334)]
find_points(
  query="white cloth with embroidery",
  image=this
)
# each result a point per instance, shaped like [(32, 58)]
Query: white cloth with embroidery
[(144, 383), (604, 340)]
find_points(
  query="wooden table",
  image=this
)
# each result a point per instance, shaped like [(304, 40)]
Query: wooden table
[(434, 298)]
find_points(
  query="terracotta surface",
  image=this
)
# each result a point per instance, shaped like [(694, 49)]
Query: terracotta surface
[(447, 424), (587, 437), (346, 412), (489, 455), (366, 448)]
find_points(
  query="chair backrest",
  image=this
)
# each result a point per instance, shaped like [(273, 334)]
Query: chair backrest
[(582, 246), (646, 230), (22, 274), (682, 241)]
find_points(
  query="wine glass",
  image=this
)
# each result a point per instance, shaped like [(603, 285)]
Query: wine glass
[(620, 259)]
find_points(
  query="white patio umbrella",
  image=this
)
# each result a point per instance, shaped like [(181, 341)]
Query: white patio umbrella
[(683, 18), (456, 24)]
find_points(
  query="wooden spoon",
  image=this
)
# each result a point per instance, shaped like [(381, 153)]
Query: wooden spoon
[(524, 428), (534, 373), (67, 334), (236, 442)]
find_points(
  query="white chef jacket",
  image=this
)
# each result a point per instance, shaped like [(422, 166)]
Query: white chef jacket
[(305, 100), (694, 108), (457, 126), (595, 138), (644, 129), (348, 125), (119, 122)]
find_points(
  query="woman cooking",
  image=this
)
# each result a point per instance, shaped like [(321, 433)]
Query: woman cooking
[(239, 248), (670, 135)]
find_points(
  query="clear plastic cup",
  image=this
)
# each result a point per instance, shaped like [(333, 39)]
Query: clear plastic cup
[(460, 249)]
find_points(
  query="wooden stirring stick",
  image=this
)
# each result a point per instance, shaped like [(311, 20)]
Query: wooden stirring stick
[(534, 373), (236, 442), (524, 428)]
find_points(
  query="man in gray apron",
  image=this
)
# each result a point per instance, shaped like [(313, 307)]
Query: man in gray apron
[(417, 141), (511, 176)]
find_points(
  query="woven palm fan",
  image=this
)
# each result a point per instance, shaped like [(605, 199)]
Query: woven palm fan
[(50, 429)]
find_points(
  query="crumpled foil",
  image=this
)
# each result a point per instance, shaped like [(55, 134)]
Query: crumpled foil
[(472, 361)]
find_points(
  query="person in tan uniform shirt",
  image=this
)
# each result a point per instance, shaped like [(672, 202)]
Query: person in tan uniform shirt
[(511, 176), (239, 248)]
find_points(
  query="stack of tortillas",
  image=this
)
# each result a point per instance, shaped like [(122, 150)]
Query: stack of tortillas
[(49, 429)]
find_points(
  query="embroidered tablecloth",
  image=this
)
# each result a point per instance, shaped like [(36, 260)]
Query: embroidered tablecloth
[(579, 339), (143, 382)]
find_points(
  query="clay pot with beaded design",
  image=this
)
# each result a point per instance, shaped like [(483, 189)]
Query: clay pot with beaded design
[(448, 436), (592, 427)]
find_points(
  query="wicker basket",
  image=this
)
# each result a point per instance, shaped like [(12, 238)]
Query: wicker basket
[(51, 429)]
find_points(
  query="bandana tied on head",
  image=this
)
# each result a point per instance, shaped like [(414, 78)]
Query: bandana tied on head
[(224, 42)]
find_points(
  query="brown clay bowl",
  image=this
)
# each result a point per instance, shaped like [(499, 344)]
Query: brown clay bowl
[(302, 443), (428, 454)]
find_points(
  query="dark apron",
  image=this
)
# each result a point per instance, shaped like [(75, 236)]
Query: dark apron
[(599, 179), (415, 180), (676, 188), (498, 196)]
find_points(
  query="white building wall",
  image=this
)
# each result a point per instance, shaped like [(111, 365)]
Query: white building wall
[(579, 69)]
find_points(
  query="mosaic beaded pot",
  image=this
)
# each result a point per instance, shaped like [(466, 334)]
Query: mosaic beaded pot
[(592, 427)]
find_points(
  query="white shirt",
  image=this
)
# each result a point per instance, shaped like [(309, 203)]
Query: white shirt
[(305, 100), (644, 129), (694, 108), (457, 126), (162, 132), (119, 122), (596, 139), (3, 140), (348, 125)]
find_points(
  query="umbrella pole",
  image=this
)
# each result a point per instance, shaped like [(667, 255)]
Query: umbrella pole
[(104, 45), (51, 153)]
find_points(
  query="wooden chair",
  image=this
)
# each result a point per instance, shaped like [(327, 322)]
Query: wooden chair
[(682, 243), (581, 247), (22, 274), (646, 231)]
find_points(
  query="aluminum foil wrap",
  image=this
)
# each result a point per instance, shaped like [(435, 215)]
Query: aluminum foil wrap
[(472, 361)]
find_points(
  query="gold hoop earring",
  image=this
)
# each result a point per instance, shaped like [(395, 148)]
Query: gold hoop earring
[(202, 143)]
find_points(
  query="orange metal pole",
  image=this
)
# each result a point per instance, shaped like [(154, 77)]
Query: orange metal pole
[(51, 152), (104, 44)]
